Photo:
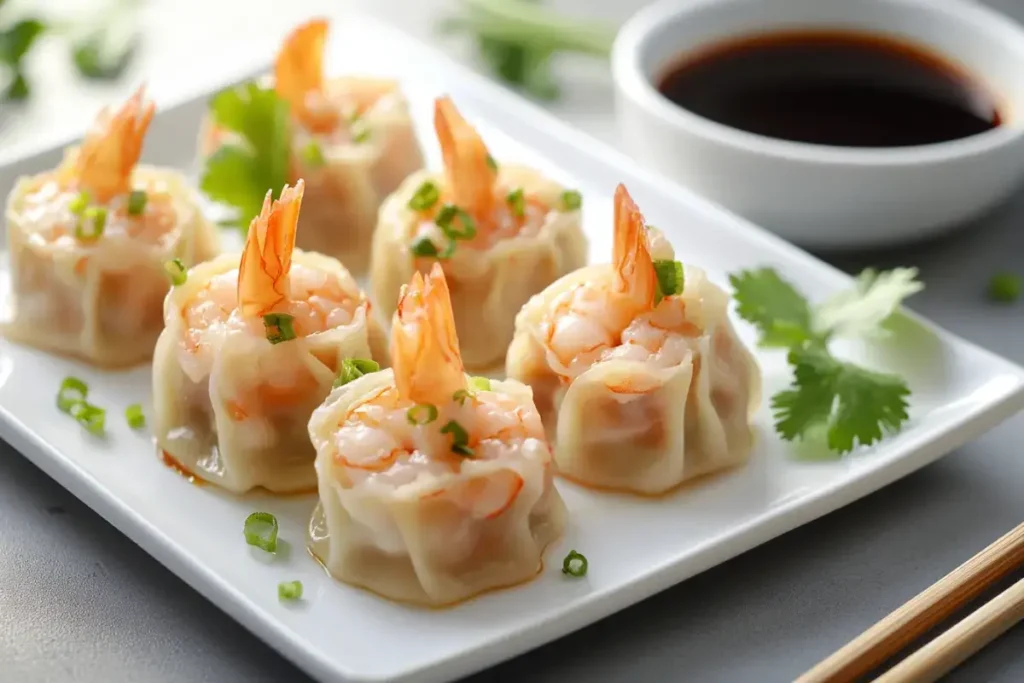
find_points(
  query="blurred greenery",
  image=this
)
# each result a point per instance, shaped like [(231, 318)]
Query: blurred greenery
[(100, 44)]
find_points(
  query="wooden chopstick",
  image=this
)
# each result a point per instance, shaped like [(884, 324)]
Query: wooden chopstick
[(922, 613), (960, 642)]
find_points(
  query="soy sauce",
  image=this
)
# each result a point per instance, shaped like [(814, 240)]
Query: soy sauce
[(832, 88)]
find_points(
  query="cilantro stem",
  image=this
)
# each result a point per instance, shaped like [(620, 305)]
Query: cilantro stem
[(518, 21)]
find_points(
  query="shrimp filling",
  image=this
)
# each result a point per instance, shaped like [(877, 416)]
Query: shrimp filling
[(502, 222), (379, 443), (317, 301), (50, 213)]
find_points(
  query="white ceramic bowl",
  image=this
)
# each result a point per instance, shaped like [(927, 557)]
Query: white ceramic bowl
[(822, 196)]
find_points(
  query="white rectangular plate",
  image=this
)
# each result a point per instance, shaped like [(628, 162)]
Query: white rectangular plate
[(635, 547)]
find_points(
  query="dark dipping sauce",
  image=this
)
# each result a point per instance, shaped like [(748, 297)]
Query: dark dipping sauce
[(832, 88)]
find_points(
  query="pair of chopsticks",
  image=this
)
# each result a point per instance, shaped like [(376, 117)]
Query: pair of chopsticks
[(929, 609)]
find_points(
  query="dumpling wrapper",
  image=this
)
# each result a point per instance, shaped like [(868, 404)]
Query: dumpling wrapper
[(488, 287), (628, 425), (344, 193), (99, 301), (424, 541), (198, 420)]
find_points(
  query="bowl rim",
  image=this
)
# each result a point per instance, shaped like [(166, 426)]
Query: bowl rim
[(632, 82)]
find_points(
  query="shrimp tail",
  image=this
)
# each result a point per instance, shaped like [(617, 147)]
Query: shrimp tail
[(299, 71), (469, 173), (631, 256), (103, 164), (424, 346), (267, 258)]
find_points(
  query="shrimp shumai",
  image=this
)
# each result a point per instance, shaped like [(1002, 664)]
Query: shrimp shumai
[(502, 234), (434, 486), (252, 344), (90, 240), (637, 371), (350, 139)]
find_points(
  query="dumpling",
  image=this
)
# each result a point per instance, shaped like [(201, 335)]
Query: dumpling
[(252, 345), (501, 234), (434, 486), (351, 140), (90, 240), (640, 380)]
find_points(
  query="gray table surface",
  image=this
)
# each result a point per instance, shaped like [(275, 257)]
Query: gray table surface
[(80, 602)]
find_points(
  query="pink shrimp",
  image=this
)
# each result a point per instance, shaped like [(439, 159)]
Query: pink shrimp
[(470, 178), (267, 259), (299, 76), (104, 163), (424, 345)]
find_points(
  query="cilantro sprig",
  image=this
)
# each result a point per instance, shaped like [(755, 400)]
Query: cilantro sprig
[(854, 404), (16, 41), (240, 173)]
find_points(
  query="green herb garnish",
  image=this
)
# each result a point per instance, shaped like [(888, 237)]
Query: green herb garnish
[(92, 418), (447, 219), (1004, 288), (517, 202), (105, 43), (78, 205), (91, 223), (425, 197), (313, 155), (135, 417), (72, 390), (15, 43), (574, 564), (421, 414), (353, 369), (855, 405), (516, 40), (571, 200), (424, 248), (278, 327), (289, 590), (239, 174), (261, 531), (137, 202), (176, 270), (460, 438), (460, 396), (670, 279), (480, 383)]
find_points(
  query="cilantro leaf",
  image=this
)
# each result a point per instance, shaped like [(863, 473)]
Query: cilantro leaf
[(240, 172), (15, 43), (770, 303), (857, 406), (862, 309)]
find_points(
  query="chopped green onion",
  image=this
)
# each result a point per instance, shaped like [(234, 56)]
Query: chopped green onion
[(421, 414), (90, 225), (480, 383), (72, 391), (1004, 288), (79, 203), (289, 590), (426, 196), (670, 278), (279, 327), (91, 417), (176, 270), (446, 221), (491, 163), (137, 202), (261, 531), (574, 564), (448, 250), (353, 369), (424, 247), (460, 438), (312, 155), (460, 396), (517, 202), (572, 200), (136, 419), (360, 131)]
